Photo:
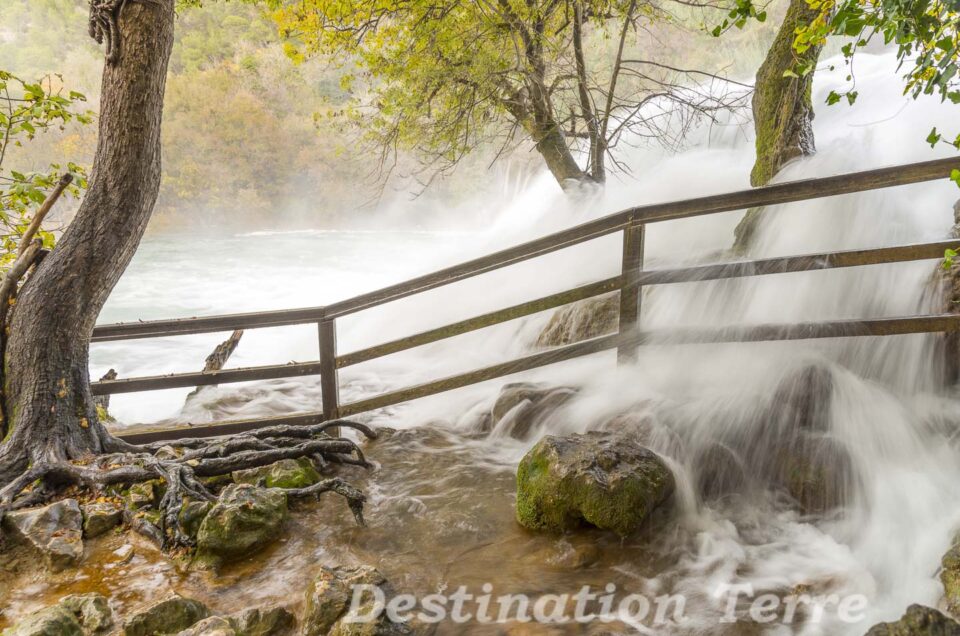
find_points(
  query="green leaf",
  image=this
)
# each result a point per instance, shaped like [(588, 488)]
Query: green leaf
[(833, 98), (934, 138)]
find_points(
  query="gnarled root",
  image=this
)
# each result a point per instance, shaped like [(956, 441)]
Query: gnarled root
[(183, 464)]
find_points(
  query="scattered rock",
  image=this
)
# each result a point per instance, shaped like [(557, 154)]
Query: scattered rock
[(606, 480), (143, 495), (75, 615), (50, 621), (169, 616), (286, 473), (565, 555), (262, 621), (55, 530), (244, 520), (718, 471), (91, 610), (124, 553), (918, 621), (522, 406), (212, 626), (328, 600), (100, 517), (588, 318)]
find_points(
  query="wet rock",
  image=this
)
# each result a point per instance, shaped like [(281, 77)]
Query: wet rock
[(55, 530), (50, 621), (286, 473), (192, 514), (565, 555), (818, 474), (522, 406), (329, 598), (75, 615), (169, 616), (950, 577), (212, 626), (124, 553), (244, 520), (92, 611), (262, 621), (718, 471), (603, 479), (588, 318), (918, 621), (99, 518)]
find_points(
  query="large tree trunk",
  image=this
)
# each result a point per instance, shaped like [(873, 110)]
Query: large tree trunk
[(52, 415), (782, 110)]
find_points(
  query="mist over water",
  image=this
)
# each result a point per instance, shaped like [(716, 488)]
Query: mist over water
[(887, 418)]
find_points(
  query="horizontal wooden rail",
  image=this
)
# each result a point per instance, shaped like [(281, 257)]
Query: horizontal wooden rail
[(666, 337), (205, 378), (205, 324)]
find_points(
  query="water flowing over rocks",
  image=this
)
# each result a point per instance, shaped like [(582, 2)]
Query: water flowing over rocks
[(588, 318), (244, 519), (329, 598), (55, 531), (521, 407), (169, 616), (918, 621), (948, 298), (606, 480)]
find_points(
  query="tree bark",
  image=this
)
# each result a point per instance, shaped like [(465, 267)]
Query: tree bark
[(52, 414), (782, 111)]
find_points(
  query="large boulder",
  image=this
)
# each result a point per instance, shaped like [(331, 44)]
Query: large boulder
[(245, 519), (99, 518), (286, 473), (588, 318), (169, 616), (918, 621), (74, 615), (56, 531), (329, 598), (606, 480)]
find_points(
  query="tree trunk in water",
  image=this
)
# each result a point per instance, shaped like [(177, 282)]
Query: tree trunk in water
[(782, 110), (52, 415)]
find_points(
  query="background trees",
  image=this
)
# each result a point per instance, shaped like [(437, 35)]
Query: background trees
[(444, 78)]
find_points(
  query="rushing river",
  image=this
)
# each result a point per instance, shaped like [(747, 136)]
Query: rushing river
[(442, 496)]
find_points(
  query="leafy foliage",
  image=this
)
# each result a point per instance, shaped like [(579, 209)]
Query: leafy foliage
[(26, 110)]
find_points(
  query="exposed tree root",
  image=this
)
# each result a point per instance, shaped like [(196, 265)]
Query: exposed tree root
[(184, 464)]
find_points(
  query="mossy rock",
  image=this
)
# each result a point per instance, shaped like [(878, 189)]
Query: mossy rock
[(144, 495), (582, 320), (329, 598), (286, 473), (100, 517), (262, 621), (245, 519), (169, 616), (50, 621), (210, 626), (918, 621), (91, 610), (602, 479), (950, 577)]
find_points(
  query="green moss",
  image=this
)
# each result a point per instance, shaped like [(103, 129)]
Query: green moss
[(286, 473), (782, 106), (950, 577), (558, 488)]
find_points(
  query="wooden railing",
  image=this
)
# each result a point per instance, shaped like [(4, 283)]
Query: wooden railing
[(629, 282)]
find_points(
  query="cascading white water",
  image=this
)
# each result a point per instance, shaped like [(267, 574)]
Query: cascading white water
[(887, 412)]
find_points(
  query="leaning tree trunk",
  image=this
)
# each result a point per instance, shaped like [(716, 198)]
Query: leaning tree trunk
[(782, 110), (52, 415)]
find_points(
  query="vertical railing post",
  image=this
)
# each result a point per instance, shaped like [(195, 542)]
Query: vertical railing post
[(329, 384), (630, 292)]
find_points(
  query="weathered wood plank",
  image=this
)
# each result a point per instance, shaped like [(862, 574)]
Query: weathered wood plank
[(148, 434), (329, 383), (630, 295), (486, 320), (226, 376), (205, 324)]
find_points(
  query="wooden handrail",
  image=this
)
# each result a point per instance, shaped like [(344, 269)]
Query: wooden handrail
[(629, 282)]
